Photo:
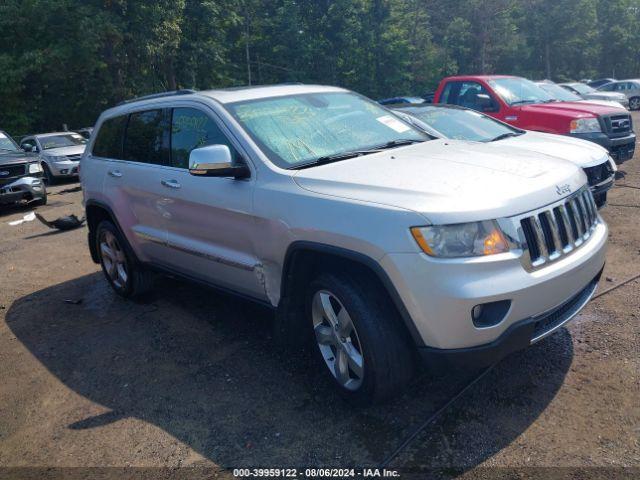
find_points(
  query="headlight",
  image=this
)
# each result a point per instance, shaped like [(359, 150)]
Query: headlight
[(35, 168), (461, 240), (585, 125)]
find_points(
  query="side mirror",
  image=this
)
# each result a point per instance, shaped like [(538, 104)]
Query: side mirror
[(27, 147), (215, 161)]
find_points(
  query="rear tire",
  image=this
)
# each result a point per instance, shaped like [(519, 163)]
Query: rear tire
[(634, 103), (123, 272), (360, 342)]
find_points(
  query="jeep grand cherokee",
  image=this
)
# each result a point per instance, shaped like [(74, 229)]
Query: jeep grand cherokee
[(372, 242)]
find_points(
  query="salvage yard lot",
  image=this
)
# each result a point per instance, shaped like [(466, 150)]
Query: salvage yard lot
[(190, 378)]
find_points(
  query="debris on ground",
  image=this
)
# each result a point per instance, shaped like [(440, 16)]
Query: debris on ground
[(29, 217), (68, 190), (68, 222)]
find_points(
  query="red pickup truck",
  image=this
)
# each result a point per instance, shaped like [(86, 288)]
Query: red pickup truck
[(522, 103)]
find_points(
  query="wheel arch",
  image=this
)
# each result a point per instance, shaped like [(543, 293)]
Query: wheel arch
[(303, 259), (96, 212)]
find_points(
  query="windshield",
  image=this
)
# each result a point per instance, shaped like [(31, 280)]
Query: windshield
[(582, 89), (62, 140), (7, 143), (517, 91), (298, 129), (461, 124), (559, 93)]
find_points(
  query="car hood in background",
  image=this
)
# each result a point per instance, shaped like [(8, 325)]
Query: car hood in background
[(448, 181), (11, 158), (64, 151), (571, 109), (581, 152), (608, 103)]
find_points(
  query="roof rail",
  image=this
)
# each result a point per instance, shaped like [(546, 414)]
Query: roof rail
[(184, 91)]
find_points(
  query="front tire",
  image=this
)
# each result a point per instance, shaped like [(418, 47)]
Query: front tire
[(125, 275), (634, 103), (42, 200), (360, 341), (49, 179)]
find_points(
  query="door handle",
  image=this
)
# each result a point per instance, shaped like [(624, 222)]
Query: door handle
[(115, 173), (170, 183)]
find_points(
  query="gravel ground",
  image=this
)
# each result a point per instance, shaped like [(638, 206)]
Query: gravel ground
[(190, 378)]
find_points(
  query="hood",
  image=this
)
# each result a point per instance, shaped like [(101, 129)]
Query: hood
[(64, 151), (448, 181), (12, 158), (571, 109), (580, 152)]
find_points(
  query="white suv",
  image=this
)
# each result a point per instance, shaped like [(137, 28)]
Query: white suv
[(373, 243)]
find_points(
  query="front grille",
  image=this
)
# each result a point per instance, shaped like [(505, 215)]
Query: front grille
[(12, 171), (553, 233), (599, 173), (74, 158), (550, 321), (618, 125)]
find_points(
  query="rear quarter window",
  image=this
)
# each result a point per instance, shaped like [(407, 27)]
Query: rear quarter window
[(108, 142)]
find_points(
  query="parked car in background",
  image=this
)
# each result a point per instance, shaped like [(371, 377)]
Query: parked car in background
[(600, 82), (459, 123), (59, 153), (630, 88), (20, 174), (522, 103), (590, 93), (397, 100), (428, 97), (85, 132), (562, 94), (374, 243)]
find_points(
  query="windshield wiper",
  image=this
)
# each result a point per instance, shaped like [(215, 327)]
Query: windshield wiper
[(505, 135), (333, 158), (521, 102), (397, 143)]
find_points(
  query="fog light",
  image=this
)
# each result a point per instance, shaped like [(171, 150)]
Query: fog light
[(490, 314), (476, 312), (64, 172)]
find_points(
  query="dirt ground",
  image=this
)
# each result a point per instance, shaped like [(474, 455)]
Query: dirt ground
[(189, 379)]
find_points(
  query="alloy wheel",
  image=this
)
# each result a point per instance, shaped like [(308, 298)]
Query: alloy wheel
[(634, 104), (113, 259), (337, 340)]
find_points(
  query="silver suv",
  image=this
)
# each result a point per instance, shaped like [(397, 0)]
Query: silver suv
[(373, 243), (59, 153)]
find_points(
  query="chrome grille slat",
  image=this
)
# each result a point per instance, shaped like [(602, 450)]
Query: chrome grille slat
[(556, 231), (555, 234), (537, 229), (565, 216)]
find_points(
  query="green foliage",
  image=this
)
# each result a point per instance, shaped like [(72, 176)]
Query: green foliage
[(64, 61)]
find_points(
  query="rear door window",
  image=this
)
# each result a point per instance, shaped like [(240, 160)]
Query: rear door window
[(146, 138), (108, 143), (190, 129)]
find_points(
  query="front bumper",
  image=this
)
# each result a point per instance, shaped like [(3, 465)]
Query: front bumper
[(620, 148), (25, 188), (517, 337), (66, 168), (440, 294)]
